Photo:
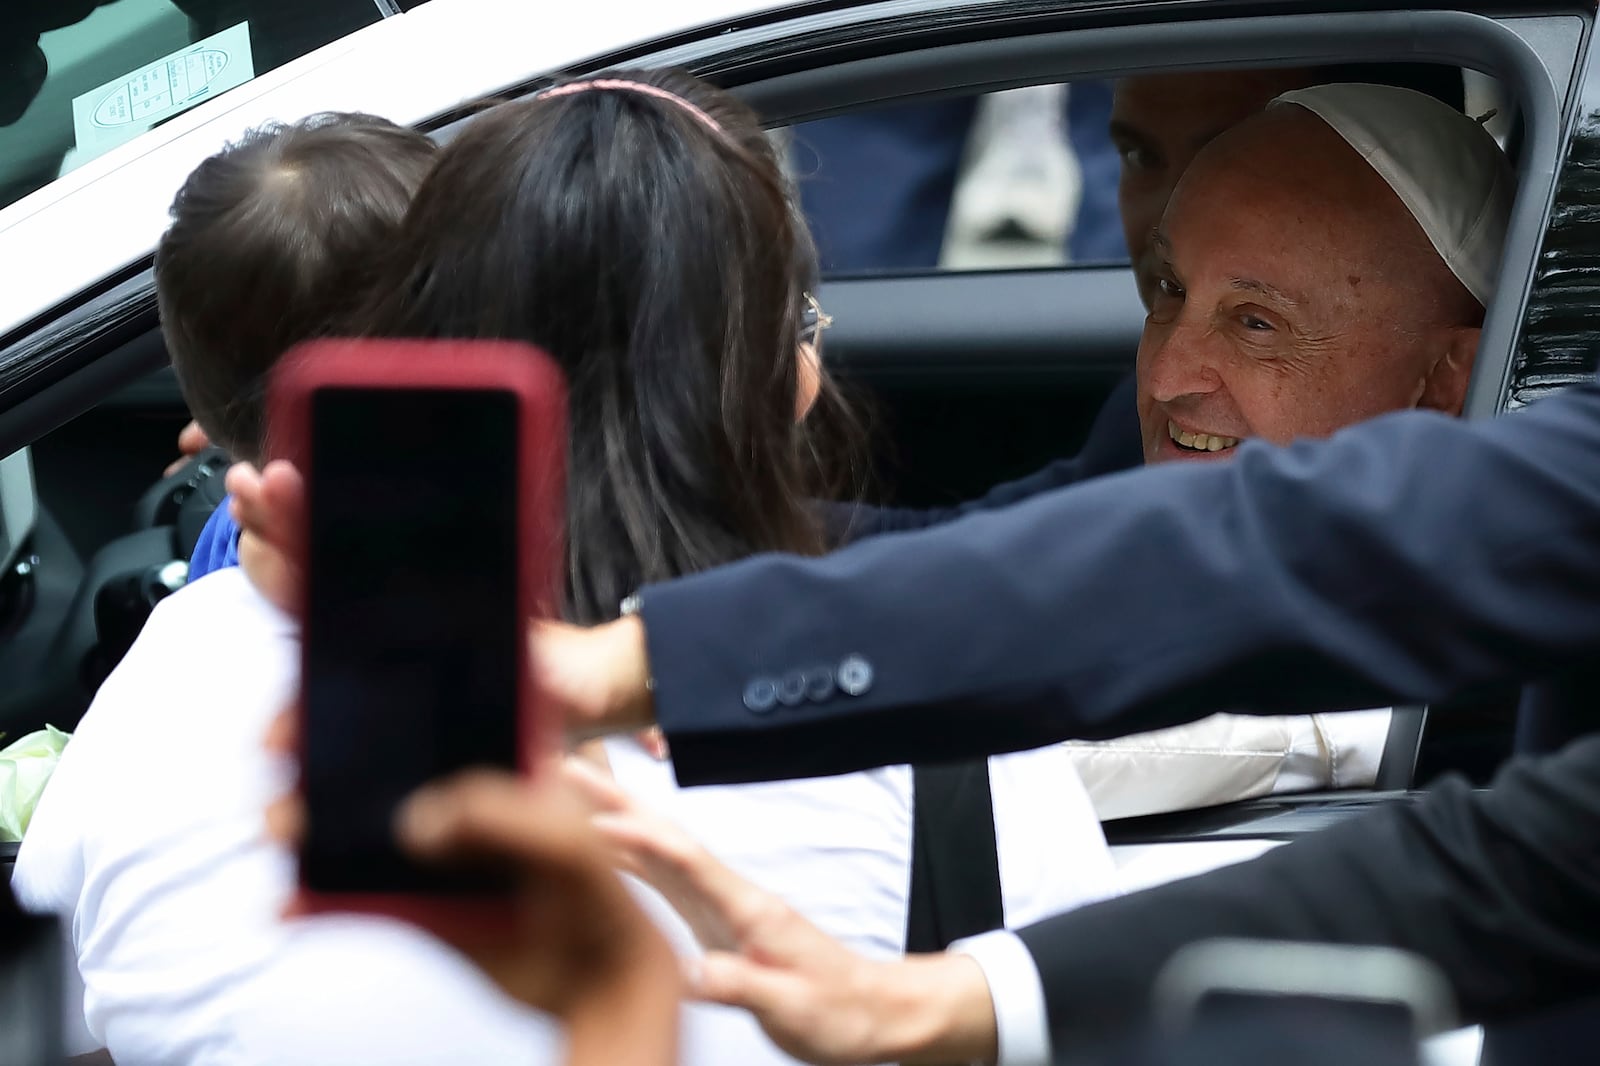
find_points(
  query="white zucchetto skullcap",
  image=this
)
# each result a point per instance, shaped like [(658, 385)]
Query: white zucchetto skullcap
[(1444, 166)]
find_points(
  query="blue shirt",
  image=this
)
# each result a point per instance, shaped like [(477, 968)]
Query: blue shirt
[(218, 546)]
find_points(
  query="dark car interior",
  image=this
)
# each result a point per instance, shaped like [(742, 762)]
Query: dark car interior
[(973, 378)]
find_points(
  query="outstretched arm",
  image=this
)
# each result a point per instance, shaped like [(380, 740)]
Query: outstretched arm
[(1401, 560)]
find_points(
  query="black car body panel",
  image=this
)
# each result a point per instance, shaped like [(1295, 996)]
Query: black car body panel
[(1559, 344)]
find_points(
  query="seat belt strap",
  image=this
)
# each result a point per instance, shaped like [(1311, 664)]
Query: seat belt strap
[(955, 862)]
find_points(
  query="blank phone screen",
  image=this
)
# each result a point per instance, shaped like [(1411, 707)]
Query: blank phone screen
[(412, 627)]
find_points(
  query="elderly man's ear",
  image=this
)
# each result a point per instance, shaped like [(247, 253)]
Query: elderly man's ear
[(1445, 386)]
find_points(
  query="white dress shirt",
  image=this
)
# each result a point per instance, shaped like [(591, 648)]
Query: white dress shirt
[(149, 841)]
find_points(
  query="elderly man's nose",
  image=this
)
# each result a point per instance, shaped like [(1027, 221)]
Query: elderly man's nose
[(1178, 366)]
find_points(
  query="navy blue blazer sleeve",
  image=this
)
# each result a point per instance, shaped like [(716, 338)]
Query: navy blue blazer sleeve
[(1499, 888), (1113, 444), (1400, 560)]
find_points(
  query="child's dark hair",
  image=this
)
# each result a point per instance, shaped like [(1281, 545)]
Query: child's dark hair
[(639, 228), (275, 240)]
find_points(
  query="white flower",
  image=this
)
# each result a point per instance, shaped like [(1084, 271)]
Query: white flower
[(25, 768)]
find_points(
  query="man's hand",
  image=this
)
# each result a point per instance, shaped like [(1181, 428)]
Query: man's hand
[(192, 440), (657, 852), (598, 678), (269, 507), (816, 999)]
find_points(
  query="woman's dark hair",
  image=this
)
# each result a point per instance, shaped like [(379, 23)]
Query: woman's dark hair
[(660, 261)]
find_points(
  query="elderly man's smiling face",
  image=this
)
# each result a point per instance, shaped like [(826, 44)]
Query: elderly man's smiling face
[(1296, 295)]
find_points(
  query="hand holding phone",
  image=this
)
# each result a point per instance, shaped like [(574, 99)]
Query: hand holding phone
[(434, 475)]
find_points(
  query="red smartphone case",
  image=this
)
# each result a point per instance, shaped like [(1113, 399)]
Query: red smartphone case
[(540, 390)]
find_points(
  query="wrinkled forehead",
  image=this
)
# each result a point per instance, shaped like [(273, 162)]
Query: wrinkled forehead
[(1283, 200), (1290, 165)]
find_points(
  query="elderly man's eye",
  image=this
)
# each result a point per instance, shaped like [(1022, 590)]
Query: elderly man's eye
[(1256, 325), (1170, 288)]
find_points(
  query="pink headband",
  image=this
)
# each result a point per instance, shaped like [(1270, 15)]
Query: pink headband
[(622, 85)]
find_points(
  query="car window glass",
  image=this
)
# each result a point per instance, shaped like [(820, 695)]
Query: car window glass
[(1025, 177), (1022, 178), (79, 77)]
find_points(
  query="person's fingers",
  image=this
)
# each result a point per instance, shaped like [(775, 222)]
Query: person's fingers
[(434, 820), (268, 506), (667, 851), (662, 850), (564, 670), (283, 732), (284, 492), (735, 981), (286, 819), (633, 836), (597, 787), (192, 440), (592, 752), (482, 812), (722, 908), (285, 815), (243, 482), (654, 742), (598, 678), (269, 503), (270, 571)]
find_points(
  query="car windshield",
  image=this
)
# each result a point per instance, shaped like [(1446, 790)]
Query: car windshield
[(79, 77)]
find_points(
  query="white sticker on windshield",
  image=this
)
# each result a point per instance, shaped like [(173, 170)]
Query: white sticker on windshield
[(122, 109)]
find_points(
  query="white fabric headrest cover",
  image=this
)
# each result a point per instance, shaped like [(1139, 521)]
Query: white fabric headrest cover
[(1444, 166)]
